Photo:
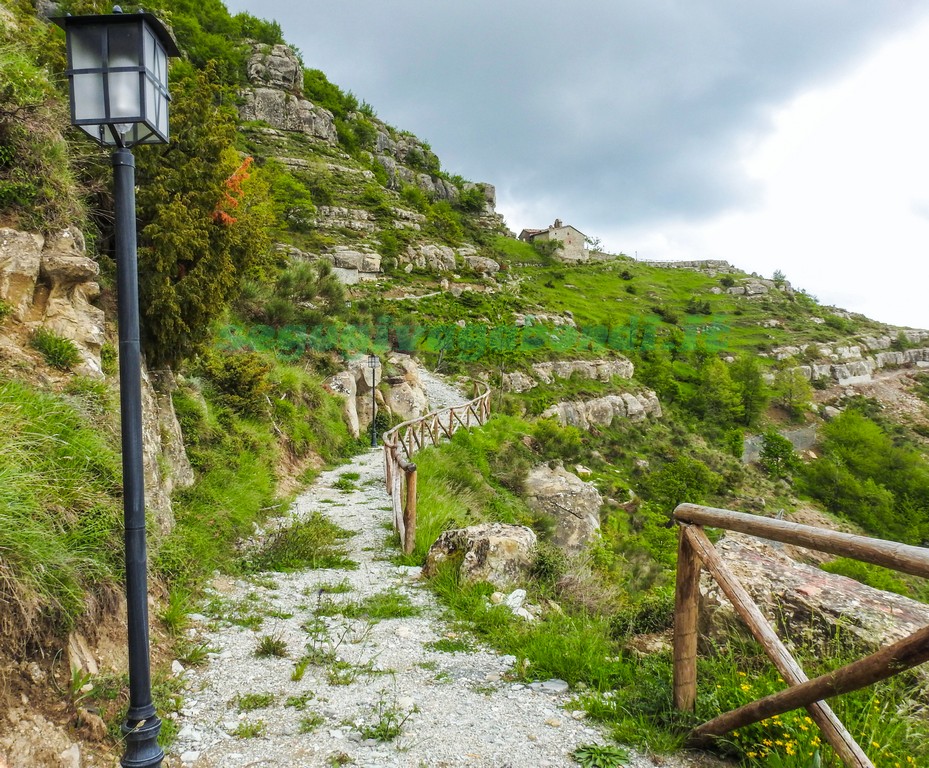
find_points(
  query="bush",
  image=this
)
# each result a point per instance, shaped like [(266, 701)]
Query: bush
[(241, 379), (58, 351)]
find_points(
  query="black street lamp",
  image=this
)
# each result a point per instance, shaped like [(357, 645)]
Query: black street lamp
[(118, 78), (373, 363)]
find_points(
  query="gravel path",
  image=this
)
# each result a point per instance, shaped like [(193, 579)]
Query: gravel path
[(456, 706), (441, 394), (462, 712)]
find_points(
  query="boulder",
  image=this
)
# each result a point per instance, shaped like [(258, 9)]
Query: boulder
[(482, 265), (574, 505), (406, 400), (804, 601), (493, 552)]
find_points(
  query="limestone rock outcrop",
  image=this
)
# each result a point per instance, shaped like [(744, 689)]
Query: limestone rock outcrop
[(20, 261), (164, 457), (804, 600), (276, 95), (70, 278), (275, 66), (403, 396), (493, 552), (286, 112), (603, 411), (572, 503), (51, 282), (597, 370)]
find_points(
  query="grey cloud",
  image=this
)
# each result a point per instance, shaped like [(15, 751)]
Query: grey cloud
[(617, 112)]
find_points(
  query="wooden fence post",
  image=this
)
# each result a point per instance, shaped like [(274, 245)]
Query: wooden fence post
[(686, 597), (409, 512), (833, 730)]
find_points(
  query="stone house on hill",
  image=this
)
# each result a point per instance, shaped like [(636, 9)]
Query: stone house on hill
[(573, 241)]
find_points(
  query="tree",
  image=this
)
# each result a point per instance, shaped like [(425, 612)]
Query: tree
[(778, 456), (717, 399), (746, 374), (684, 479), (205, 220), (792, 391)]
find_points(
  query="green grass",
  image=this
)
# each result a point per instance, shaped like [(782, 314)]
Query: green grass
[(309, 723), (310, 543), (248, 702), (299, 702), (600, 756), (451, 645), (60, 510), (58, 351), (271, 646), (250, 730), (383, 605)]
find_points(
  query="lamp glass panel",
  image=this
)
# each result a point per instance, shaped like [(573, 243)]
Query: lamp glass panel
[(125, 98), (149, 60), (86, 44), (161, 67), (151, 99), (87, 97), (161, 117), (125, 50)]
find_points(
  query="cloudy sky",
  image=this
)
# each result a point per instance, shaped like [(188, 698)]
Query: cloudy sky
[(790, 135)]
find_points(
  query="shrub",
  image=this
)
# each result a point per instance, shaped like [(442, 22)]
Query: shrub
[(241, 378), (58, 351), (5, 310)]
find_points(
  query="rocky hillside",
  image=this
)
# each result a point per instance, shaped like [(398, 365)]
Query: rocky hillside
[(288, 232)]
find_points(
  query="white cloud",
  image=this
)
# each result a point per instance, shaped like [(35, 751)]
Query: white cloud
[(845, 177)]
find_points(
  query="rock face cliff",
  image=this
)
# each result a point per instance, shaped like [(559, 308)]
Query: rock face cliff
[(276, 95), (305, 138), (50, 282)]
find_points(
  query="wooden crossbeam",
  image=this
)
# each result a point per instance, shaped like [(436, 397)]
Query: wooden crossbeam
[(890, 554)]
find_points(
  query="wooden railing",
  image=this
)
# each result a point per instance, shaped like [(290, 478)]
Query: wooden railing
[(402, 441), (695, 551)]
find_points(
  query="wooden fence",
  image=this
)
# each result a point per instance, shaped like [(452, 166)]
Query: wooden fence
[(402, 441), (696, 551)]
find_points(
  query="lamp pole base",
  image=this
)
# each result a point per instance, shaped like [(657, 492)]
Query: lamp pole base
[(141, 739)]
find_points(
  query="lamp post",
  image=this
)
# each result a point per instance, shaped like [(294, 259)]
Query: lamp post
[(373, 363), (118, 80)]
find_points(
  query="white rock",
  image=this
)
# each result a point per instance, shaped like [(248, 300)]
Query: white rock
[(515, 600)]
